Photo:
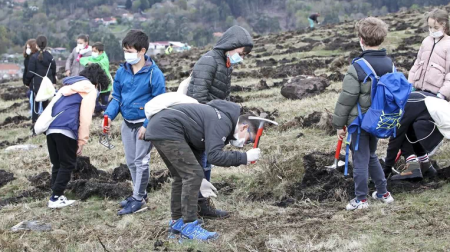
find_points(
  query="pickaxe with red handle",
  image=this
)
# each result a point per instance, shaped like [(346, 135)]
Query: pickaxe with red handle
[(262, 121)]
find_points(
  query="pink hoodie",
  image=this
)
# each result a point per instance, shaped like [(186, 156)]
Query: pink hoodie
[(431, 70), (89, 94)]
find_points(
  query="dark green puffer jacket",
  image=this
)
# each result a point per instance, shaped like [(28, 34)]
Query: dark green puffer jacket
[(354, 90), (211, 78)]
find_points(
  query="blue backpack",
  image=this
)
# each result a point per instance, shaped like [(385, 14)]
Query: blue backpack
[(389, 95)]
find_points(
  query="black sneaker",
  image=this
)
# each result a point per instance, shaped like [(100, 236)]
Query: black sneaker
[(428, 170), (206, 209), (412, 171)]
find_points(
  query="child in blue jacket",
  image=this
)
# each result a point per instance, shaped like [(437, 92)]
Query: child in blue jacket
[(137, 81)]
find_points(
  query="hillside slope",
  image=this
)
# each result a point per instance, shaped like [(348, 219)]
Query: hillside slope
[(285, 202)]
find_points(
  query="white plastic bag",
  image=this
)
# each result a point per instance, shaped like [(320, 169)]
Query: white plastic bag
[(46, 90)]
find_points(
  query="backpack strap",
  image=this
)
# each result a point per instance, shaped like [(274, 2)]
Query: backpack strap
[(368, 69), (49, 67)]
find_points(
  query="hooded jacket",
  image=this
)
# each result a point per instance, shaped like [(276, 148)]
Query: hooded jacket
[(103, 61), (354, 90), (431, 70), (204, 127), (39, 67), (74, 109), (132, 91), (211, 78), (73, 64)]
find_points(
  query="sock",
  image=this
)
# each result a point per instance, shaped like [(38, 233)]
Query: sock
[(54, 198), (383, 195), (412, 158), (423, 158)]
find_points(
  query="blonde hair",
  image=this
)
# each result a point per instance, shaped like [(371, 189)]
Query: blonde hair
[(372, 30), (441, 16)]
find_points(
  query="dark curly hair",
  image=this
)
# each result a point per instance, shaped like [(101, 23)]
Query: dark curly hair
[(96, 75)]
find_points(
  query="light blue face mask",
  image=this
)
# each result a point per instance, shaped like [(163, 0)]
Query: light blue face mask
[(235, 58)]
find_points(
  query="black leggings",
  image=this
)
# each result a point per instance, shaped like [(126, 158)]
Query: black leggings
[(63, 156)]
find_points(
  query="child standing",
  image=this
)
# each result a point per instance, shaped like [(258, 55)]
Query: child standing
[(372, 32), (430, 73), (99, 57), (67, 134), (73, 66), (137, 81)]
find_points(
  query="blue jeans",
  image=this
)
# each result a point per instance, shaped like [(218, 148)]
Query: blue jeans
[(365, 164), (102, 102), (206, 169)]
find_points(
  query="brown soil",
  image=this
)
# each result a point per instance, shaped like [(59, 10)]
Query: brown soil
[(15, 120)]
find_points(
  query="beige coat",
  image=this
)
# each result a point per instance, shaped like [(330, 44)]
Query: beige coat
[(431, 70)]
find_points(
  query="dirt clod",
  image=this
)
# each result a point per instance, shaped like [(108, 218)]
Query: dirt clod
[(299, 87), (157, 179), (121, 173), (317, 119), (14, 120), (261, 85), (5, 177), (84, 189), (41, 181), (85, 170)]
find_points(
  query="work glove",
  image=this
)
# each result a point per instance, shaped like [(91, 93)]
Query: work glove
[(207, 189), (253, 155)]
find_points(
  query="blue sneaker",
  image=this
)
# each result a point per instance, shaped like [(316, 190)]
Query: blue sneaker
[(123, 203), (175, 227), (133, 206), (194, 231)]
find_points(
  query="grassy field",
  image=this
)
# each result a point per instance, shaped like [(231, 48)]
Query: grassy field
[(417, 221)]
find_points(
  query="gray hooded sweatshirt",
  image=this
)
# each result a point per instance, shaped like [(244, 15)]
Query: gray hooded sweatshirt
[(206, 128), (211, 78)]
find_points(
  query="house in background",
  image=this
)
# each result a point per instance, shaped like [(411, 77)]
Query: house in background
[(9, 71), (109, 21), (159, 47)]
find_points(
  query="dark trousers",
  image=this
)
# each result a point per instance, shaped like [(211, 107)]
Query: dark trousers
[(187, 174), (365, 164), (102, 102), (63, 156)]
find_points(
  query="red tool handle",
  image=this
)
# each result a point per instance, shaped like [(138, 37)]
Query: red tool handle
[(258, 136), (398, 156), (105, 123), (338, 150)]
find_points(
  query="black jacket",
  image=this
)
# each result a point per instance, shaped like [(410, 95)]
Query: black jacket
[(25, 70), (314, 17), (211, 78), (416, 123), (41, 68), (204, 127)]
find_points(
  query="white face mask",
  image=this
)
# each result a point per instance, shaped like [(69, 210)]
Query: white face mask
[(362, 45), (239, 142), (436, 34), (132, 58), (94, 55), (28, 51)]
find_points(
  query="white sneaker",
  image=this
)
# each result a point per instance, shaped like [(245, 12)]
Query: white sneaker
[(386, 198), (355, 204), (61, 202)]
